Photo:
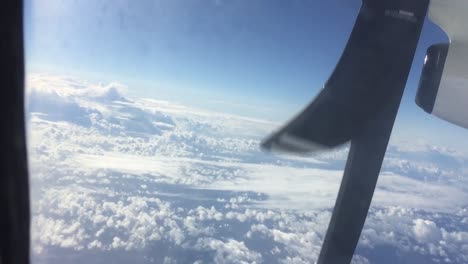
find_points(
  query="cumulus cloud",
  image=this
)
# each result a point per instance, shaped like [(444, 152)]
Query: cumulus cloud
[(230, 251), (426, 231), (85, 219), (111, 173)]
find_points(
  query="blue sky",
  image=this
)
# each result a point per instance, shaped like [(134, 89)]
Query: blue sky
[(261, 58)]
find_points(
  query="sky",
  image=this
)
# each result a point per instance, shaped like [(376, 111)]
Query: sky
[(265, 59), (144, 123)]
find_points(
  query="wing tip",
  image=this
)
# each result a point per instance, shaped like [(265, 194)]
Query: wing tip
[(289, 143)]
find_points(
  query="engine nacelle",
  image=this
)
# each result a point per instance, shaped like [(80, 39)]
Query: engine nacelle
[(431, 76), (443, 88)]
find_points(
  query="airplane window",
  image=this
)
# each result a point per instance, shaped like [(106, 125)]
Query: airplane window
[(144, 125)]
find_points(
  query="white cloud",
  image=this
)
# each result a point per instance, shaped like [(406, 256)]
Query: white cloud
[(113, 173), (230, 251), (76, 219), (426, 231)]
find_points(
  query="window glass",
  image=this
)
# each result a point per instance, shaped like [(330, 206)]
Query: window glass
[(144, 122)]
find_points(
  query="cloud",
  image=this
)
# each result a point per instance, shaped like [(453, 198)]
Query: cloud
[(230, 251), (73, 88), (111, 173), (80, 220), (426, 231)]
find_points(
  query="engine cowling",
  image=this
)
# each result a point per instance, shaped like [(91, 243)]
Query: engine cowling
[(431, 76), (443, 87)]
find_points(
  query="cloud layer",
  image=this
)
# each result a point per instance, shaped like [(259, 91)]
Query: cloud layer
[(125, 179)]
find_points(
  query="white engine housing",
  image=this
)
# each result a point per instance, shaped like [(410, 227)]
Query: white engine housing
[(445, 92)]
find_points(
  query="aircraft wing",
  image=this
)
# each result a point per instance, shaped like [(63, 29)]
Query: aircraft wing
[(358, 103), (374, 63)]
